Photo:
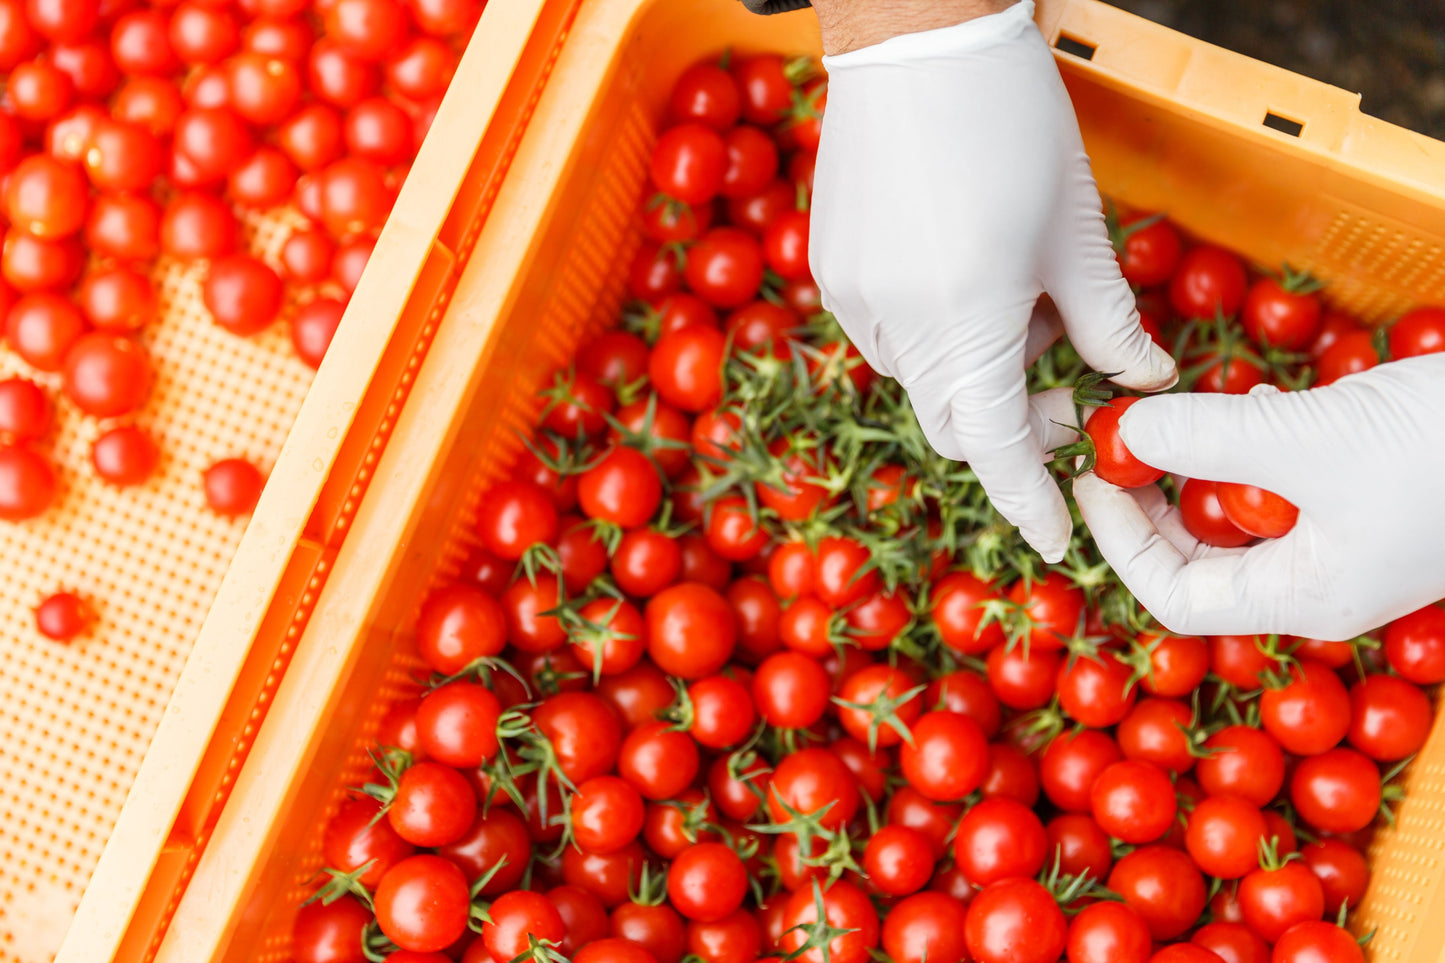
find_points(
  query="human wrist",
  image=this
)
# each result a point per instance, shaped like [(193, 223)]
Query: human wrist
[(848, 25)]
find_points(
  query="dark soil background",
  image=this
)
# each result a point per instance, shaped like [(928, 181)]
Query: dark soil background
[(1390, 51)]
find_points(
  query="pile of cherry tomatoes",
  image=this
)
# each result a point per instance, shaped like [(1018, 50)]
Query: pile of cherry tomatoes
[(136, 135), (741, 670)]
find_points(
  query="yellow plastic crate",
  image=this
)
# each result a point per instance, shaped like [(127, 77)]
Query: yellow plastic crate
[(324, 598)]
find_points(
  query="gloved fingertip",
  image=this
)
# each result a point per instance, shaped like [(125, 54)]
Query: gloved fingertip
[(1049, 537), (1264, 389), (1160, 372), (1144, 430)]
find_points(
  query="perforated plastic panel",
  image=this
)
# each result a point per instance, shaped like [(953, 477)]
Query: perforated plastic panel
[(75, 720)]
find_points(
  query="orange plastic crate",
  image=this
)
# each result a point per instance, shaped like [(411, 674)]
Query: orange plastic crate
[(395, 463)]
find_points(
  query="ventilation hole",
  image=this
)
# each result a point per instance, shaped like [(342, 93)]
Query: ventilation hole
[(1283, 124), (1084, 51)]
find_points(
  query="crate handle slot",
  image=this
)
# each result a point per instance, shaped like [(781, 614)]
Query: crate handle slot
[(1283, 124), (1071, 45)]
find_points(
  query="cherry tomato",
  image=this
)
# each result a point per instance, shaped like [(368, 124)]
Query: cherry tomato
[(765, 88), (927, 927), (357, 836), (46, 198), (1133, 801), (724, 267), (1022, 679), (1417, 332), (422, 68), (1342, 871), (790, 690), (497, 838), (1151, 252), (117, 299), (1337, 791), (1163, 886), (366, 29), (1273, 900), (422, 904), (999, 839), (1255, 511), (706, 94), (1157, 731), (125, 456), (686, 368), (785, 245), (233, 486), (1108, 932), (707, 882), (1015, 921), (1317, 941), (62, 616), (1415, 645), (691, 630), (106, 376), (1096, 691), (1113, 461), (25, 411), (1389, 717), (585, 733), (1080, 845), (330, 932), (198, 225), (1308, 714), (623, 488), (1352, 352), (1209, 281), (947, 758), (1223, 836), (958, 612), (844, 907), (355, 198), (1204, 517), (242, 293), (688, 163), (1279, 316)]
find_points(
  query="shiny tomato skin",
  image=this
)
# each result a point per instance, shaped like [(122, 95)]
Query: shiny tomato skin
[(1415, 645), (1133, 801), (686, 367), (1151, 252), (1418, 331), (1242, 761), (1274, 316), (999, 839), (1071, 764), (330, 932), (947, 758), (844, 907), (1317, 941), (422, 904), (355, 837), (1054, 607), (691, 630), (958, 601), (688, 163), (1022, 681), (42, 328), (1163, 886), (1342, 870), (1273, 900), (1389, 717), (724, 267), (1015, 921), (1155, 731), (497, 836), (1081, 846), (1232, 942), (1113, 461), (810, 781), (1223, 836), (1108, 932), (1256, 511), (1310, 713), (1204, 516), (1337, 791), (1208, 281), (107, 376), (1177, 664), (927, 927), (125, 456), (1351, 353), (1096, 691)]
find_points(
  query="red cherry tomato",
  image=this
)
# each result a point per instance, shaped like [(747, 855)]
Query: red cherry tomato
[(1255, 511), (125, 456), (1204, 517), (1113, 461), (27, 483), (233, 486)]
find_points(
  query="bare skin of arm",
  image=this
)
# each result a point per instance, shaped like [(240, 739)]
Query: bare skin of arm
[(850, 24)]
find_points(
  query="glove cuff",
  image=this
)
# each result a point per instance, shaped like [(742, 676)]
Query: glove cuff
[(962, 38)]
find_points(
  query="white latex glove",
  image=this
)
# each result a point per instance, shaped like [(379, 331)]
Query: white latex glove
[(951, 190), (1364, 460)]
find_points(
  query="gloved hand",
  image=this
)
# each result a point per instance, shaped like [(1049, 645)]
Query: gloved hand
[(1363, 458), (951, 190)]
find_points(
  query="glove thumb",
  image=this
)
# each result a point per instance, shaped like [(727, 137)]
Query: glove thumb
[(1227, 438)]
